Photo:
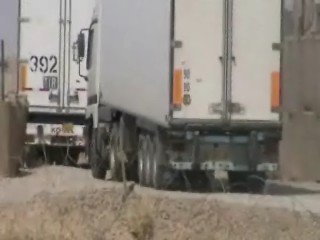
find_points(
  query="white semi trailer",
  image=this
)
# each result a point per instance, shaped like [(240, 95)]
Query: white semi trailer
[(49, 75), (184, 86)]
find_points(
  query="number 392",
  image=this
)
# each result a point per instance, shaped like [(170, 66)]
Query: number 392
[(43, 64)]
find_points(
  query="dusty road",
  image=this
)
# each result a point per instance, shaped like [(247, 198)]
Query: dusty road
[(67, 203)]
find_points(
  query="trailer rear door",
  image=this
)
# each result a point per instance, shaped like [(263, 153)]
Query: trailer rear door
[(198, 66), (78, 16), (40, 52), (49, 73), (226, 61), (256, 27)]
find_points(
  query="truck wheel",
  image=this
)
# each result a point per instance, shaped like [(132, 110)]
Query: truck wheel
[(148, 161), (97, 163), (115, 161), (129, 145), (32, 158), (250, 181), (159, 157), (198, 181), (256, 182), (86, 134), (141, 160)]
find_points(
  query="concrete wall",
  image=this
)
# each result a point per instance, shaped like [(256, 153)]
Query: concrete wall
[(9, 10), (306, 15), (300, 148)]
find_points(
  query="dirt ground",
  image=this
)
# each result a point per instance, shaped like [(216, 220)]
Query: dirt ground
[(66, 203)]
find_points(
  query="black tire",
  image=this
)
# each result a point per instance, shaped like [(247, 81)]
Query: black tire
[(97, 162), (115, 162), (141, 160), (247, 181), (197, 181), (73, 158), (56, 156), (256, 183), (129, 146), (149, 161), (32, 158), (86, 134), (159, 160)]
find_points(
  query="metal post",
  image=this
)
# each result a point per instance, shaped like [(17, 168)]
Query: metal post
[(2, 66)]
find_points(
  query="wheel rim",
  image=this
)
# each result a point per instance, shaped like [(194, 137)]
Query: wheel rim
[(141, 167), (93, 156), (256, 184), (113, 152), (141, 159), (112, 160), (155, 172), (148, 166)]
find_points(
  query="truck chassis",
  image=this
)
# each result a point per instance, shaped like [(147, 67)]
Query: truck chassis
[(182, 158)]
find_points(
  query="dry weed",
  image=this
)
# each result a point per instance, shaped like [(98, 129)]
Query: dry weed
[(140, 219)]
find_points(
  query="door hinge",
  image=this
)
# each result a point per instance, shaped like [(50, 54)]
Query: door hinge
[(236, 108), (23, 61), (73, 98), (24, 19), (54, 96), (176, 107), (276, 46), (233, 108), (215, 108), (177, 44)]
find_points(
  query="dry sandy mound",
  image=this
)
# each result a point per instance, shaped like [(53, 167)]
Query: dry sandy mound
[(100, 214)]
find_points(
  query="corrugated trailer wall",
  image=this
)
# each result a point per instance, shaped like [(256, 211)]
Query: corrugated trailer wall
[(300, 147), (9, 14)]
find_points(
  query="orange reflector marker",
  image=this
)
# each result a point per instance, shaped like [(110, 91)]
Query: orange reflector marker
[(275, 90), (177, 87), (23, 76)]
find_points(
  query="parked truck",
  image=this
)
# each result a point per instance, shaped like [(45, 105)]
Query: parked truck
[(49, 76), (183, 88)]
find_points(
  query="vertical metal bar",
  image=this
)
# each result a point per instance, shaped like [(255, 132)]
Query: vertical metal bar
[(224, 99), (227, 60), (64, 52), (171, 55), (2, 66), (60, 47), (230, 60), (69, 52), (302, 18), (282, 35), (19, 45)]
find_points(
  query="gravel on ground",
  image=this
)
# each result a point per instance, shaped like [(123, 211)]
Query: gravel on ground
[(67, 203)]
